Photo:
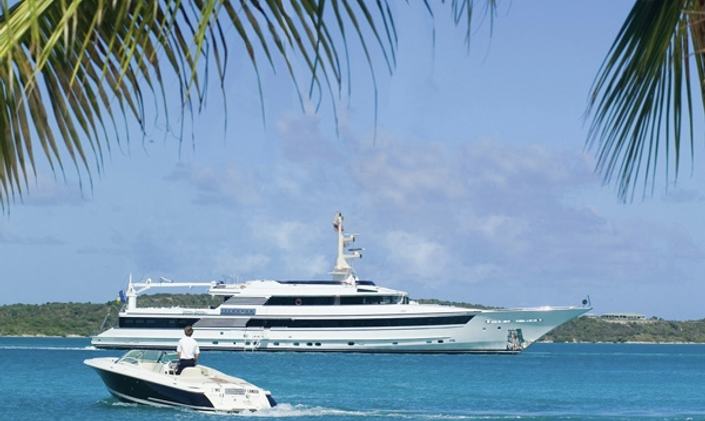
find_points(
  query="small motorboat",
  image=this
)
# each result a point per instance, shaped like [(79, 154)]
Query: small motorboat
[(149, 377)]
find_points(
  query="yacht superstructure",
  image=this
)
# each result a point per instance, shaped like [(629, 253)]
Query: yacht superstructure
[(343, 314)]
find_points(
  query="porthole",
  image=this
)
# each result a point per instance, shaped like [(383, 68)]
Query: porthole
[(351, 343), (298, 301)]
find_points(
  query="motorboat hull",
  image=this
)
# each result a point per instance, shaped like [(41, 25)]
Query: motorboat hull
[(131, 389), (151, 388)]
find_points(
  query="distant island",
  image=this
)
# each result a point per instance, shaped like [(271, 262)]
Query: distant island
[(86, 319)]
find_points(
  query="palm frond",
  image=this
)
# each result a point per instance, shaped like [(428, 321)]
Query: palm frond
[(642, 100), (70, 70)]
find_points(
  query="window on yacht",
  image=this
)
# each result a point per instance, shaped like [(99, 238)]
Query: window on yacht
[(371, 299), (300, 301), (364, 322), (156, 322), (331, 300)]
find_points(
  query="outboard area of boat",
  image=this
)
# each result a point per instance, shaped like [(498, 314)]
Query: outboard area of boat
[(149, 377)]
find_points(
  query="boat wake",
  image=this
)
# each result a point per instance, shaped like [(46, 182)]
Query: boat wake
[(284, 410), (119, 404), (294, 411)]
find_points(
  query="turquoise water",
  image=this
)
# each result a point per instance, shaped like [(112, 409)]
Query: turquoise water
[(44, 378)]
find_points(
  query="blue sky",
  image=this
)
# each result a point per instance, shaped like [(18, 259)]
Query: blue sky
[(476, 188)]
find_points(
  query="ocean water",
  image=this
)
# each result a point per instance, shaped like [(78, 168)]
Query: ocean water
[(44, 378)]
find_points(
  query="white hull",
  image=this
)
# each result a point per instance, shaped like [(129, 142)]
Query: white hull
[(200, 388), (488, 331)]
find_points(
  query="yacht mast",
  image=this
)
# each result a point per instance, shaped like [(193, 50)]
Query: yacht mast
[(343, 271)]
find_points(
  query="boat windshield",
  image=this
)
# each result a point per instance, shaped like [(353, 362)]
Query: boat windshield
[(148, 355), (168, 357)]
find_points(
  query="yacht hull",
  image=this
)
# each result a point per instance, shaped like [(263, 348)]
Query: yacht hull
[(487, 331)]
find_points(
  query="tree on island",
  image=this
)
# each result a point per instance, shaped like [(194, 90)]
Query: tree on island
[(72, 72)]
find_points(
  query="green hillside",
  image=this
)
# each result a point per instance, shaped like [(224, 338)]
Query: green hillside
[(453, 303), (589, 329), (84, 319), (55, 319)]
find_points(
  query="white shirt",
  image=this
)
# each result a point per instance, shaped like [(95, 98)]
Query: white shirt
[(187, 348)]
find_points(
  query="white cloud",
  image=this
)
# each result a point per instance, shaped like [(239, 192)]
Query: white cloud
[(249, 265), (307, 265), (501, 230), (47, 191), (225, 186), (414, 255), (284, 235), (9, 238), (302, 140), (404, 173), (296, 245), (683, 195)]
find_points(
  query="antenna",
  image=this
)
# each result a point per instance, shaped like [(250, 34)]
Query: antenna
[(131, 294)]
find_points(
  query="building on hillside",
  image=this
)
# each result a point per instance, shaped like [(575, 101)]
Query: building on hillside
[(622, 317)]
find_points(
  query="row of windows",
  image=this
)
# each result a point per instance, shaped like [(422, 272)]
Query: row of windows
[(330, 300), (333, 323), (249, 343), (374, 299), (358, 282), (181, 322), (156, 322), (300, 301)]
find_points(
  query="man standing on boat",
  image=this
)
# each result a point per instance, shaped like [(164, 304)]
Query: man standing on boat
[(188, 350)]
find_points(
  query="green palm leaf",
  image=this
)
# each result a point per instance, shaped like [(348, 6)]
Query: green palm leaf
[(70, 70), (641, 100)]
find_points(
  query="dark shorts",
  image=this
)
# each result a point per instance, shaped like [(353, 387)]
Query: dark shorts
[(185, 363)]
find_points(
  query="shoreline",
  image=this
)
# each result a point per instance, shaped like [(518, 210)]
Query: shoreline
[(72, 336), (622, 343)]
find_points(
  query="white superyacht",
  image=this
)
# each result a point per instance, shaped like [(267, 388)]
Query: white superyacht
[(344, 314)]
